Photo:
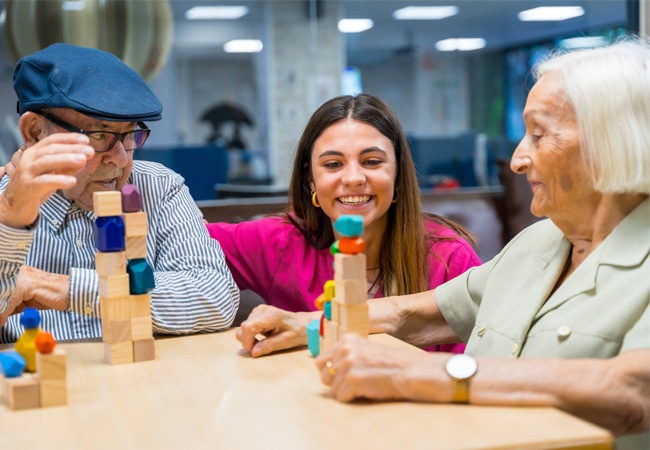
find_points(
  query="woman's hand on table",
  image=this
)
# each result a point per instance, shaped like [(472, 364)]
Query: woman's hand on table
[(269, 329)]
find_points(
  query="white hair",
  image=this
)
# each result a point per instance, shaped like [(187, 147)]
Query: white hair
[(609, 88)]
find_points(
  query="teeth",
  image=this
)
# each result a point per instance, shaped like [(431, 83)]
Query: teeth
[(355, 199)]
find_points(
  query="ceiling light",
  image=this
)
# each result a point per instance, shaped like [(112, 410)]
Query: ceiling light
[(548, 13), (216, 12), (243, 46), (583, 42), (73, 6), (425, 12), (354, 25), (461, 44)]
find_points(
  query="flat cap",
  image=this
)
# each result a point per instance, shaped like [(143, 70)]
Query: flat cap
[(93, 82)]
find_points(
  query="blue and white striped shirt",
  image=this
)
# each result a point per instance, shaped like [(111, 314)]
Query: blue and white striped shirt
[(195, 291)]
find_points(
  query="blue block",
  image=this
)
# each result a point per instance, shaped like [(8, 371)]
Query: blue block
[(327, 309), (30, 318), (12, 364), (141, 278), (313, 337), (349, 225), (109, 234)]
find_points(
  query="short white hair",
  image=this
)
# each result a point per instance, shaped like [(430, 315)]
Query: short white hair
[(609, 88)]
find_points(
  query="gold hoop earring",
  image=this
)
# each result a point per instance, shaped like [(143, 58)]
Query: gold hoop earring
[(314, 201), (394, 200)]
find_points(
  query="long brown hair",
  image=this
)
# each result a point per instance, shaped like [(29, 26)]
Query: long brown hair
[(403, 252)]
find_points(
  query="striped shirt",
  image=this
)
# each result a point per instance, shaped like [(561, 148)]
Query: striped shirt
[(195, 291)]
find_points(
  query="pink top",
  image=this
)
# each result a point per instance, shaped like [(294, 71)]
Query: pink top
[(270, 257)]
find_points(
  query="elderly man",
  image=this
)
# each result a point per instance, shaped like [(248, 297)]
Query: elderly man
[(83, 114)]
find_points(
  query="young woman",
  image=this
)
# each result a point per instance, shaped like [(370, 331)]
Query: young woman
[(352, 158)]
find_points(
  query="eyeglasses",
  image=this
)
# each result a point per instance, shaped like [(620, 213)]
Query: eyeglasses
[(103, 141)]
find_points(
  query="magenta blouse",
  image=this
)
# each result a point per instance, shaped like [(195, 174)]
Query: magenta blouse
[(270, 257)]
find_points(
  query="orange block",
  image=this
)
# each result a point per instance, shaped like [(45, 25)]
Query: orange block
[(352, 246)]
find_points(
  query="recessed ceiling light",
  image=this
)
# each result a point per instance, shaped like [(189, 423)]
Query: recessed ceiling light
[(583, 42), (354, 25), (460, 44), (243, 46), (73, 6), (549, 13), (216, 12), (425, 12)]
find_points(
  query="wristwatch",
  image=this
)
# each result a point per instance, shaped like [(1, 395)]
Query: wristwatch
[(461, 368)]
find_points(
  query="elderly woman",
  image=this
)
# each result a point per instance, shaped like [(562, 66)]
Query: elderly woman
[(560, 317)]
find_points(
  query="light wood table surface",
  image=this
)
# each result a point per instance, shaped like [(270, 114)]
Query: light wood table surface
[(204, 392)]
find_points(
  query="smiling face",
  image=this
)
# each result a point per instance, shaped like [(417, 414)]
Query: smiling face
[(549, 154), (353, 172), (106, 171)]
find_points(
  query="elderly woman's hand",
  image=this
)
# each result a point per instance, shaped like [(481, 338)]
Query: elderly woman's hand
[(358, 368), (279, 330)]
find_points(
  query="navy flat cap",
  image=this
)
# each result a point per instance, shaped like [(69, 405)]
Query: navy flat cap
[(93, 82)]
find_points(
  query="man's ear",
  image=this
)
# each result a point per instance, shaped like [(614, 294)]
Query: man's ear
[(31, 127)]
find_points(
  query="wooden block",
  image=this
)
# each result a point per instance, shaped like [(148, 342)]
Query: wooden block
[(144, 350), (116, 331), (329, 289), (352, 246), (140, 305), (330, 335), (117, 308), (22, 392), (336, 315), (110, 263), (349, 267), (3, 388), (107, 203), (141, 328), (121, 353), (108, 233), (131, 198), (26, 347), (135, 224), (114, 286), (351, 292), (136, 247), (354, 319), (349, 225), (53, 393), (52, 366), (141, 279)]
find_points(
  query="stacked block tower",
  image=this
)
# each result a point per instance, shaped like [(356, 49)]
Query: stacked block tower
[(125, 277), (344, 299), (34, 375)]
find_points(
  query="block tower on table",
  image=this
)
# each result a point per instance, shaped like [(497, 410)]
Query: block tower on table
[(344, 299), (125, 277), (35, 374)]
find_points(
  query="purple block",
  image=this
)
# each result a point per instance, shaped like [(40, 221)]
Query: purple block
[(131, 198), (109, 234)]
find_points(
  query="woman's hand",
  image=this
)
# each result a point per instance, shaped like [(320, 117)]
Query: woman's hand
[(278, 329)]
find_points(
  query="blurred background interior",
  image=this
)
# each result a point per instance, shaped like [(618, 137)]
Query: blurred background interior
[(239, 79)]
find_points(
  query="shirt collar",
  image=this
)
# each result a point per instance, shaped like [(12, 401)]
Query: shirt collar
[(55, 210)]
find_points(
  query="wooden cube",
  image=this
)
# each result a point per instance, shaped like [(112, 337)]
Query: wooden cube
[(349, 267), (116, 308), (121, 353), (52, 366), (110, 263), (53, 393), (355, 319), (136, 247), (135, 224), (22, 392), (114, 286), (107, 203), (140, 305), (144, 350), (141, 328), (351, 292), (116, 331)]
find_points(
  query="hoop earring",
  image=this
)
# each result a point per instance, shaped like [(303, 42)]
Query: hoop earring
[(394, 200), (314, 201)]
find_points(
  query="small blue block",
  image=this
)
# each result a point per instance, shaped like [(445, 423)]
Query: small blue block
[(313, 337), (349, 225), (12, 364), (141, 278), (109, 234), (30, 318), (327, 310)]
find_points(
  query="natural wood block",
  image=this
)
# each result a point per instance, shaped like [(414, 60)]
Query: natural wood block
[(144, 350), (135, 224), (349, 267), (355, 318), (140, 305), (108, 203), (141, 328), (110, 263), (114, 286), (22, 392), (351, 292), (136, 247), (116, 308), (116, 331), (52, 366), (53, 393), (330, 333), (121, 353), (336, 315)]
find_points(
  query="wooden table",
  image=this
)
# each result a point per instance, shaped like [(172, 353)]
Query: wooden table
[(204, 392)]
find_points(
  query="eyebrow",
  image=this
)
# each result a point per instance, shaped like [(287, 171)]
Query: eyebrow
[(363, 152)]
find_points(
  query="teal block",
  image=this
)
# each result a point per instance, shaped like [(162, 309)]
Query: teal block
[(141, 278), (349, 225), (313, 337), (327, 309)]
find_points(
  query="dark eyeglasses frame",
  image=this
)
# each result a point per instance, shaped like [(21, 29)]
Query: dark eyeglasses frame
[(116, 136)]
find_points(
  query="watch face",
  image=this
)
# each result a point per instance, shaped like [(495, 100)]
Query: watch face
[(461, 367)]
